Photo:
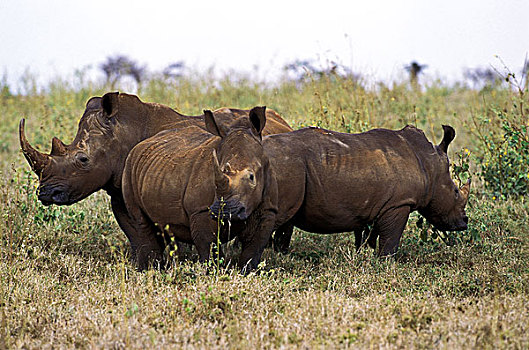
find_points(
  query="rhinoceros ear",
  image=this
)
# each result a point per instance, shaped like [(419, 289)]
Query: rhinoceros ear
[(258, 119), (211, 124), (110, 102), (93, 103), (449, 134)]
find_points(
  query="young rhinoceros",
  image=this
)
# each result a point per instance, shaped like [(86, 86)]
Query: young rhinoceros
[(168, 184), (329, 182)]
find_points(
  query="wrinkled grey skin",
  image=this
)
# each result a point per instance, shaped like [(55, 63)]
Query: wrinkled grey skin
[(331, 182)]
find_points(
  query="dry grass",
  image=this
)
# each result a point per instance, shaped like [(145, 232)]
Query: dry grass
[(65, 279)]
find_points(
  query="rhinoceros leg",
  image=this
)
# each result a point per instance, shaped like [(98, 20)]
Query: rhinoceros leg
[(372, 239), (389, 228), (145, 245), (282, 238), (360, 237), (254, 239), (203, 233), (364, 235)]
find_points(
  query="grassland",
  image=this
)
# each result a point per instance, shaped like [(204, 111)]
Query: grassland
[(66, 281)]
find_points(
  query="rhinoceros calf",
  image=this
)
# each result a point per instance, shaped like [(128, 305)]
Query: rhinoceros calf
[(331, 182), (168, 183), (109, 128)]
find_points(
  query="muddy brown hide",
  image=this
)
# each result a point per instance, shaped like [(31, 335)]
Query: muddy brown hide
[(330, 182), (109, 128), (168, 185)]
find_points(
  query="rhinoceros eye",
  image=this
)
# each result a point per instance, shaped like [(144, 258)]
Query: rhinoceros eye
[(82, 157), (251, 177)]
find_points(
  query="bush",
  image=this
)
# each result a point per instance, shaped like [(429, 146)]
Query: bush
[(504, 138), (504, 167)]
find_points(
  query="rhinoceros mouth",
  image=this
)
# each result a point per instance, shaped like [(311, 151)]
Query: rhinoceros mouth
[(228, 211), (460, 225), (55, 195)]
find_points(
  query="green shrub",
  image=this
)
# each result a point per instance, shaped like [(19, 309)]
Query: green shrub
[(504, 158)]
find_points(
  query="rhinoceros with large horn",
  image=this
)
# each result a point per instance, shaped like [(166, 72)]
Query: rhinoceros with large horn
[(109, 128)]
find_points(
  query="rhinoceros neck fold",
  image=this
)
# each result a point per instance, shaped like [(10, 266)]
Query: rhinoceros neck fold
[(146, 121)]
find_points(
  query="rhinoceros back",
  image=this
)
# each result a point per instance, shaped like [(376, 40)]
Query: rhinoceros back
[(352, 178), (161, 173)]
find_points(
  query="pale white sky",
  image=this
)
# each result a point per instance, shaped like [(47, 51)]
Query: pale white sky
[(374, 37)]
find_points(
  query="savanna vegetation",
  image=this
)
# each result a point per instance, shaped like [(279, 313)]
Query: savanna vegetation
[(66, 280)]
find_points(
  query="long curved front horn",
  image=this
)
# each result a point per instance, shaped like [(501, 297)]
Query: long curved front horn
[(36, 159)]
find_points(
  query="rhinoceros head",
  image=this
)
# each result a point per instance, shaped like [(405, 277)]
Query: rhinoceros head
[(72, 172), (239, 165), (446, 209)]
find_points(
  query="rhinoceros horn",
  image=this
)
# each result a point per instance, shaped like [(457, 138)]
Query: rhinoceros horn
[(36, 159), (57, 147), (221, 181)]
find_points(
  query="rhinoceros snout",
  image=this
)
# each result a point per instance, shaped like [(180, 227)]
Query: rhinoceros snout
[(241, 214), (229, 210), (52, 195), (459, 225), (464, 224)]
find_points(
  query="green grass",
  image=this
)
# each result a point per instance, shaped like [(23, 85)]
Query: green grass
[(66, 281)]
